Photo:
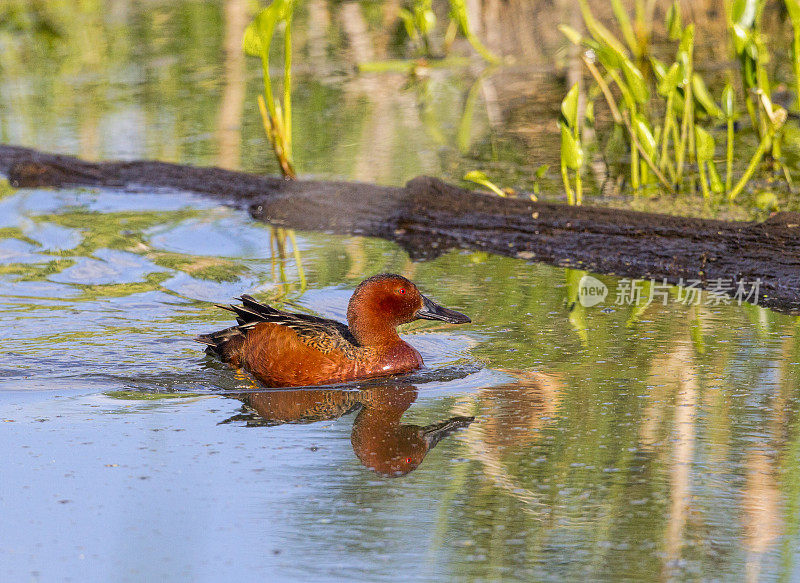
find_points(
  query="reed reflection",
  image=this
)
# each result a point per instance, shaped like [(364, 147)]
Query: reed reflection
[(380, 440)]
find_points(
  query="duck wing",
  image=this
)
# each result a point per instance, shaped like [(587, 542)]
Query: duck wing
[(321, 333)]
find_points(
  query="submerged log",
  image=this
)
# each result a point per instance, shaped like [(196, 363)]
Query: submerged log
[(428, 217)]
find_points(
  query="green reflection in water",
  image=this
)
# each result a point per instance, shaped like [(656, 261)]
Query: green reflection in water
[(632, 442)]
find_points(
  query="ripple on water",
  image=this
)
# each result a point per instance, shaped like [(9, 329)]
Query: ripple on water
[(217, 234), (109, 267), (572, 408), (52, 237), (16, 251)]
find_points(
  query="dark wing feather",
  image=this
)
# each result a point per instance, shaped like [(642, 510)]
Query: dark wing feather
[(321, 333), (252, 312)]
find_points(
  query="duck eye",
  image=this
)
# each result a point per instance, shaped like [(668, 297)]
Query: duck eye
[(409, 460), (402, 290)]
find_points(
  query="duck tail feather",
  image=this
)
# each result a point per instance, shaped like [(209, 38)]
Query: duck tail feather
[(251, 310)]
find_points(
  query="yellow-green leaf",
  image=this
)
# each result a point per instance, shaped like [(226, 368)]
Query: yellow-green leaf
[(427, 21), (670, 80), (572, 35), (685, 54), (569, 107), (635, 81), (659, 68), (714, 178), (705, 144), (571, 151), (644, 135), (589, 113), (743, 12), (479, 177), (729, 102), (600, 33), (703, 97), (793, 8), (674, 25), (258, 34)]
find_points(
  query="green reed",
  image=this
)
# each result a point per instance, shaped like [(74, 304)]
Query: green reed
[(571, 150), (664, 111), (276, 116), (793, 10)]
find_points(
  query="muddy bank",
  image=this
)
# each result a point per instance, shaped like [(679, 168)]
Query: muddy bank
[(427, 217)]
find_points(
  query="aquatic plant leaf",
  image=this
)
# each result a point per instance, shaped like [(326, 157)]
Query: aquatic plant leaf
[(465, 125), (775, 113), (251, 43), (659, 68), (572, 35), (605, 54), (616, 146), (276, 118), (793, 8), (571, 151), (685, 54), (705, 144), (599, 32), (628, 100), (696, 334), (612, 54), (577, 312), (670, 80), (258, 34), (714, 178), (740, 39), (408, 23), (479, 177), (458, 14), (729, 102), (426, 21), (644, 135), (635, 81), (569, 107), (624, 22), (673, 21), (703, 97), (743, 12), (588, 114)]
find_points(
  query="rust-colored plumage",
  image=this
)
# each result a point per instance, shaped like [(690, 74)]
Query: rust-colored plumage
[(284, 349)]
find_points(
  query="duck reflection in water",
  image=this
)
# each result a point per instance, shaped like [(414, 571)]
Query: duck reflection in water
[(380, 440)]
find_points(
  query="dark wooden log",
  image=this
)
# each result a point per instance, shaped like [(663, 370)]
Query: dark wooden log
[(428, 217)]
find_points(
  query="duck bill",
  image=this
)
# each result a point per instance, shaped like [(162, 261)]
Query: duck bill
[(433, 434), (430, 310)]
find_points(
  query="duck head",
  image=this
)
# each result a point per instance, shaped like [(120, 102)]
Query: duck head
[(382, 302)]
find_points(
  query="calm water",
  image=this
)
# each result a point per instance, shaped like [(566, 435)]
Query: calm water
[(611, 442)]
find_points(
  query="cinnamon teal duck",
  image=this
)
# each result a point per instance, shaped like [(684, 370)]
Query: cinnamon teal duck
[(283, 349)]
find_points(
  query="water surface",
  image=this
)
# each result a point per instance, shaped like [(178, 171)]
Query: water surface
[(609, 442), (612, 442)]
